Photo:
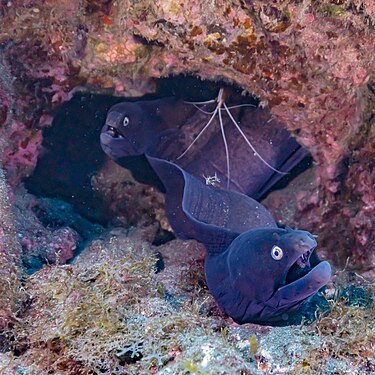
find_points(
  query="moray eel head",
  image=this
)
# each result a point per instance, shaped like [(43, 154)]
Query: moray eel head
[(123, 133), (270, 273)]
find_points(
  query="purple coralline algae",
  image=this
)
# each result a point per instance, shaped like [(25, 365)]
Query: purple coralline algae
[(111, 310)]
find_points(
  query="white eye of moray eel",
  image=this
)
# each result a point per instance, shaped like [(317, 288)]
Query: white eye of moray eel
[(277, 253), (126, 121)]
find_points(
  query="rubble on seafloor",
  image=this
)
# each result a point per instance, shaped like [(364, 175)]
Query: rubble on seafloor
[(110, 312), (116, 309), (92, 280), (308, 62)]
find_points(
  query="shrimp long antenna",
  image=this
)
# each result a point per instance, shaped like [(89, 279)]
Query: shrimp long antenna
[(225, 145), (206, 102), (240, 105), (203, 111), (196, 105), (249, 143), (200, 133), (220, 100)]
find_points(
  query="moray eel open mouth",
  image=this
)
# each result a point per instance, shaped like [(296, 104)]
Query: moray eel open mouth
[(301, 267), (113, 132), (115, 144), (304, 260)]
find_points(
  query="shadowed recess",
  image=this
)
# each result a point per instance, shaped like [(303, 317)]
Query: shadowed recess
[(72, 154)]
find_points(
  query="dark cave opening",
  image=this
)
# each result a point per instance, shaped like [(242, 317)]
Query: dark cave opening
[(71, 151), (72, 155)]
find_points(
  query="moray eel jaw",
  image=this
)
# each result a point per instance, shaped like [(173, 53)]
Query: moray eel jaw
[(299, 246), (289, 297), (124, 132), (270, 272), (112, 146), (300, 267), (113, 132), (115, 144), (303, 280), (304, 274)]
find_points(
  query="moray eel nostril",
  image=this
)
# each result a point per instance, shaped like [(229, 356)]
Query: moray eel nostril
[(256, 271)]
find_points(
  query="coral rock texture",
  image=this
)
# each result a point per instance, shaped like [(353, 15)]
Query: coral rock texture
[(310, 62), (10, 250)]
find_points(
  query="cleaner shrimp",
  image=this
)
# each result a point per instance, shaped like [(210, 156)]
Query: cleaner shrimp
[(222, 107)]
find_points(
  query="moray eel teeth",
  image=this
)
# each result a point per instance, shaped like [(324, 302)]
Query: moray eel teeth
[(113, 132), (303, 260)]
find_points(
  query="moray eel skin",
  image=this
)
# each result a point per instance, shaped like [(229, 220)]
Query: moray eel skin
[(256, 271)]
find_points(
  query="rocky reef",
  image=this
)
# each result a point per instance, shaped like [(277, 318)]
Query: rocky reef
[(309, 62), (128, 301), (109, 312)]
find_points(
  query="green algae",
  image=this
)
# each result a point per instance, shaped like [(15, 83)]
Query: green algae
[(109, 313)]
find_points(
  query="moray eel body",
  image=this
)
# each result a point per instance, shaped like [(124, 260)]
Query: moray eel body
[(256, 271), (165, 127)]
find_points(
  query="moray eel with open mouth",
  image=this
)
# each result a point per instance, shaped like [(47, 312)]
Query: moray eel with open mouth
[(256, 271)]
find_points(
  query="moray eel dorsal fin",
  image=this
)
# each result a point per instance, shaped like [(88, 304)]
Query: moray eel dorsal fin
[(256, 271)]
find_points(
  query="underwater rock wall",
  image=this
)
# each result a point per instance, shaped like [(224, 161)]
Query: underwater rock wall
[(311, 63), (11, 294)]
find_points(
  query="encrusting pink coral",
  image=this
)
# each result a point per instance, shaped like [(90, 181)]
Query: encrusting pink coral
[(308, 62)]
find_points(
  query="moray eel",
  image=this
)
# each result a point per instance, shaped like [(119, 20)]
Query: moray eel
[(256, 271)]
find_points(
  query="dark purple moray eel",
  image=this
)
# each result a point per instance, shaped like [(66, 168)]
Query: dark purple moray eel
[(256, 271)]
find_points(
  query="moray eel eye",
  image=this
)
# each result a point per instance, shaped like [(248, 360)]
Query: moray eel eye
[(126, 121), (277, 253)]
